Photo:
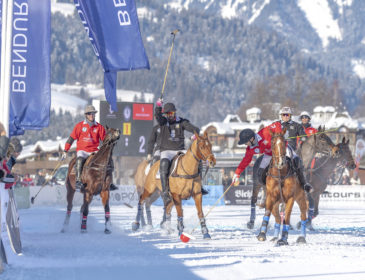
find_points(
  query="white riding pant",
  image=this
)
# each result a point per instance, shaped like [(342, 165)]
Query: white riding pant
[(83, 154), (169, 154)]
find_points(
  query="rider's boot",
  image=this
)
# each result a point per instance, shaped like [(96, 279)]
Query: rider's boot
[(164, 175), (261, 175), (79, 165), (200, 171), (299, 169)]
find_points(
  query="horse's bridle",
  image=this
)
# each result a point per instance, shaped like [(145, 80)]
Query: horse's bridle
[(200, 156), (283, 157)]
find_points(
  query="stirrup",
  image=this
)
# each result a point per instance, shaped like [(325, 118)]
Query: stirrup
[(204, 191), (113, 187)]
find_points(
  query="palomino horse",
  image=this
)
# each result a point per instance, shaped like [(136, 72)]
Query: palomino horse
[(140, 179), (321, 171), (316, 143), (184, 181), (282, 186), (96, 176)]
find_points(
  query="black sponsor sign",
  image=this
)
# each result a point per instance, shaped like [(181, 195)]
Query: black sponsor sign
[(240, 195), (135, 121)]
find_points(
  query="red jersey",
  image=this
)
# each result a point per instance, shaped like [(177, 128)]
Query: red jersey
[(88, 138), (310, 130), (263, 147)]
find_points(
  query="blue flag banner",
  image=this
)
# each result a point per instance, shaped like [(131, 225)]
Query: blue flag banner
[(30, 90), (113, 29)]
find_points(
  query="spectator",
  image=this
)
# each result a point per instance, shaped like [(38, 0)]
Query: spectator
[(226, 180), (27, 181), (355, 180), (345, 180), (40, 178)]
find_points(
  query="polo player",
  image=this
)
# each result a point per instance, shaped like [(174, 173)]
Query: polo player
[(172, 140), (88, 134), (307, 126)]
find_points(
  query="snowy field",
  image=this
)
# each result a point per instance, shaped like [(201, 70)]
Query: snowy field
[(335, 251)]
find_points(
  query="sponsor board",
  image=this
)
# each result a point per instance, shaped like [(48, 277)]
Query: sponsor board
[(337, 193), (240, 195)]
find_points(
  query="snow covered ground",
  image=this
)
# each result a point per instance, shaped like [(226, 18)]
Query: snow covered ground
[(335, 251)]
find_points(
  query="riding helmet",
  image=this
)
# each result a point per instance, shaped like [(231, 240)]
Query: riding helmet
[(246, 135), (169, 107), (286, 110), (90, 109), (304, 114)]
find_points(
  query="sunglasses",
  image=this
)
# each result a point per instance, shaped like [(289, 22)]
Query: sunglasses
[(90, 114), (304, 117), (170, 114), (285, 115)]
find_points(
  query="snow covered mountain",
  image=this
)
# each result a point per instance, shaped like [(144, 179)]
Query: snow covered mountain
[(330, 30)]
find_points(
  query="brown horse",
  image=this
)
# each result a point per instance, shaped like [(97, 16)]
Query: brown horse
[(282, 186), (316, 143), (139, 180), (322, 170), (184, 181), (96, 176)]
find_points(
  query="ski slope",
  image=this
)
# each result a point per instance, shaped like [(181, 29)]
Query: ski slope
[(335, 251)]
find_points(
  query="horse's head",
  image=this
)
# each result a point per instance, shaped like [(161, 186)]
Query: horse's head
[(112, 135), (204, 148), (345, 153), (323, 143), (278, 147)]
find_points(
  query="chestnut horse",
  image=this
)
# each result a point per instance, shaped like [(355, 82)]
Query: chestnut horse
[(322, 170), (96, 176), (316, 143), (139, 180), (282, 186), (184, 181)]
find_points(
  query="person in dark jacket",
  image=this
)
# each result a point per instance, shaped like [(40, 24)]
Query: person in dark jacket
[(293, 129), (172, 139)]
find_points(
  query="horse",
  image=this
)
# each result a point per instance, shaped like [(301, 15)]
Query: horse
[(184, 181), (97, 177), (282, 186), (139, 180), (316, 143), (322, 170)]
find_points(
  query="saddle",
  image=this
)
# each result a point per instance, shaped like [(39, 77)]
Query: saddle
[(262, 178)]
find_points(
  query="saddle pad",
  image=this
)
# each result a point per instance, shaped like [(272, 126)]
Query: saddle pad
[(148, 167)]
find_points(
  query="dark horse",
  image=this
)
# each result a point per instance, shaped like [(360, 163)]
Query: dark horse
[(322, 170), (282, 186), (316, 143), (96, 176)]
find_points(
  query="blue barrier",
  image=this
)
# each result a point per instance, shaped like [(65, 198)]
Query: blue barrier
[(215, 192)]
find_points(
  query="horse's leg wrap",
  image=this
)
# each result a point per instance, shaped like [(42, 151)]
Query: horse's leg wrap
[(107, 223), (149, 214), (143, 221), (204, 228), (303, 225), (285, 232), (276, 230), (67, 221), (263, 229), (180, 225), (83, 223), (135, 224), (251, 223)]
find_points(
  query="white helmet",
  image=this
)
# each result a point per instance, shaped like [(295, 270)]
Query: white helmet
[(304, 113), (285, 110)]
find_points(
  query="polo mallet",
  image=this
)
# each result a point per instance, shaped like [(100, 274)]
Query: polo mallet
[(128, 204), (185, 237), (173, 33), (51, 176)]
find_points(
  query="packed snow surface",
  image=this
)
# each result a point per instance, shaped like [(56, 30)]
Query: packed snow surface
[(335, 250)]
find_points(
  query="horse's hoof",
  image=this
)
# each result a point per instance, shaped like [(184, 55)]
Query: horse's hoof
[(291, 227), (311, 228), (107, 231), (148, 227), (261, 236), (301, 240), (206, 236), (274, 239), (135, 226), (83, 230), (63, 230), (282, 242), (250, 224)]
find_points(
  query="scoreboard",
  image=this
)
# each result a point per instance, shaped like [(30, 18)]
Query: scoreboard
[(135, 121)]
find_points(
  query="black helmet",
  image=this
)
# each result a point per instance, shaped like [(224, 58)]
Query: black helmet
[(246, 135), (169, 107)]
